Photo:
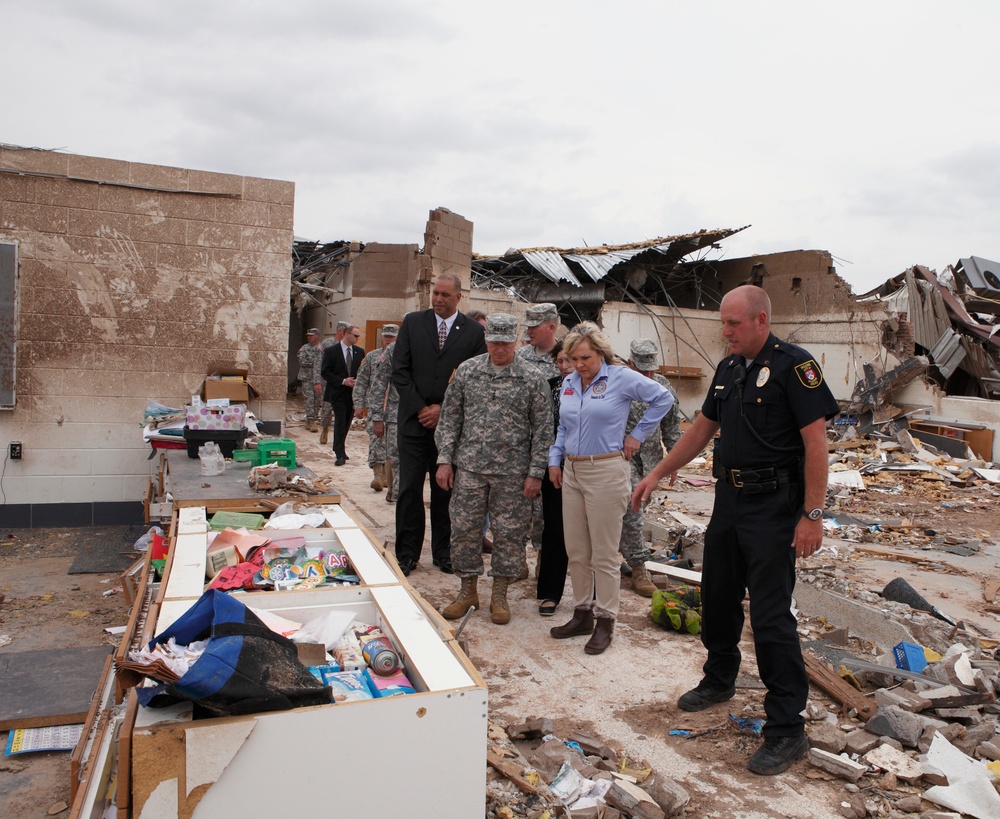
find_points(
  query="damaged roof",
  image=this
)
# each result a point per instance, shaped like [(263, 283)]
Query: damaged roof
[(593, 264)]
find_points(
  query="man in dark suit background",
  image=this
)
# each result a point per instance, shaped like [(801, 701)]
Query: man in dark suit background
[(340, 367), (431, 344)]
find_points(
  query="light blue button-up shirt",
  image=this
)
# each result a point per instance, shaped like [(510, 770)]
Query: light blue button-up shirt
[(592, 422)]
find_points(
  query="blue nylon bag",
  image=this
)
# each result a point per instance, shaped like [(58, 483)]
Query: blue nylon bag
[(246, 668)]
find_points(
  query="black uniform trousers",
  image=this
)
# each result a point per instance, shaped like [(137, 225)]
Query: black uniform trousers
[(418, 457), (343, 415), (552, 559), (748, 548)]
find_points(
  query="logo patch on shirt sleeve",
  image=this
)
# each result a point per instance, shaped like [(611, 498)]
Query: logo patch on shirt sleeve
[(809, 374)]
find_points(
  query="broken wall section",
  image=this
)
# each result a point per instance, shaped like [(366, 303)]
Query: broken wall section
[(133, 278)]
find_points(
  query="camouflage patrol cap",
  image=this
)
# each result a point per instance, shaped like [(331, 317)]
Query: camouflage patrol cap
[(390, 329), (539, 313), (312, 331), (501, 327), (644, 354)]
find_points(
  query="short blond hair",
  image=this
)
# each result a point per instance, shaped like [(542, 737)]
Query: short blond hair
[(590, 332)]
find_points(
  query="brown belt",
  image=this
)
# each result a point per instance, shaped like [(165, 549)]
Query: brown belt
[(618, 454)]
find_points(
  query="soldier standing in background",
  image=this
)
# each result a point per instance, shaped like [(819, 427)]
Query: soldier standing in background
[(365, 398), (384, 410), (644, 357), (495, 427), (309, 355)]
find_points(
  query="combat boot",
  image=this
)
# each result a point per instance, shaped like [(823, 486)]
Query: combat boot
[(499, 610), (310, 425), (324, 435), (642, 583), (387, 480), (468, 597), (377, 480)]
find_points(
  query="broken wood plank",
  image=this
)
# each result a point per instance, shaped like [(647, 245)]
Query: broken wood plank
[(687, 575), (890, 555), (512, 771), (824, 678)]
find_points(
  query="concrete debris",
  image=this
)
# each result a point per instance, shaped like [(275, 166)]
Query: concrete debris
[(580, 777), (842, 765)]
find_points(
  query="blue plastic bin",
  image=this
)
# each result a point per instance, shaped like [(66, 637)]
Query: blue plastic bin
[(910, 657)]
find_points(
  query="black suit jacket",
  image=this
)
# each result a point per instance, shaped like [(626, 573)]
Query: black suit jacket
[(334, 371), (420, 371)]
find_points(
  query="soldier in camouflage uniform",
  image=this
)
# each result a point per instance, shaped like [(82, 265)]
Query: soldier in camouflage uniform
[(319, 383), (363, 399), (383, 410), (540, 323), (309, 354), (496, 426), (645, 358)]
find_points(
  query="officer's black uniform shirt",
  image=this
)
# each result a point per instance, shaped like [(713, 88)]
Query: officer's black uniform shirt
[(784, 392)]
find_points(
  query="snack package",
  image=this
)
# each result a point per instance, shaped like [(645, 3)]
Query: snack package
[(347, 652), (321, 672), (395, 686), (348, 686)]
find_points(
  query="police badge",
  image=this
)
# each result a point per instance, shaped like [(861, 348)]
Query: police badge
[(809, 374)]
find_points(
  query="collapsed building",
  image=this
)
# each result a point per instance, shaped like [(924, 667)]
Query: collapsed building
[(919, 351)]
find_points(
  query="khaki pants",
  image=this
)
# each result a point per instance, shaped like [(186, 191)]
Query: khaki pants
[(595, 495)]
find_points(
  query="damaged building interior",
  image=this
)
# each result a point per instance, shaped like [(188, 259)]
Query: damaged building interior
[(125, 284)]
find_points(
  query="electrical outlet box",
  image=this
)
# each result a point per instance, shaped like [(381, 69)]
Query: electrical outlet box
[(15, 450)]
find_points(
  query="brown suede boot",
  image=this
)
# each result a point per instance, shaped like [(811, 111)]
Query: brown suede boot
[(601, 638), (324, 435), (377, 479), (499, 610), (582, 623), (642, 583), (468, 597)]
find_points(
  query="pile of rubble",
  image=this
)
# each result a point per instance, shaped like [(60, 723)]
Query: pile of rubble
[(540, 775)]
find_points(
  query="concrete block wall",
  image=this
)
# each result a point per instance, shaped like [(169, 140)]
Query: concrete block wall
[(133, 279)]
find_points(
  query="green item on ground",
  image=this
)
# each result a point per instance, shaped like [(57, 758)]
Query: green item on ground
[(678, 608)]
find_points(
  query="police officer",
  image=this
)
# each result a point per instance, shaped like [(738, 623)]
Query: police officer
[(309, 356), (493, 439), (770, 401), (644, 357)]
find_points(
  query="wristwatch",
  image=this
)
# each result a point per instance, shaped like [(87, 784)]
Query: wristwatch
[(814, 514)]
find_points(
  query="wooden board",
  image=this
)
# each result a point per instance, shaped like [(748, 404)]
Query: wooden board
[(52, 687)]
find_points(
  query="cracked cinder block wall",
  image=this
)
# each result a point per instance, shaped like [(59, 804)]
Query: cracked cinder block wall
[(133, 279)]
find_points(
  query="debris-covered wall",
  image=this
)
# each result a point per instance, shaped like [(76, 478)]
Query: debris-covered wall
[(132, 279), (815, 308)]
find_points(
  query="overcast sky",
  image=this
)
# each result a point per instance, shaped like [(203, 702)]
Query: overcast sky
[(869, 129)]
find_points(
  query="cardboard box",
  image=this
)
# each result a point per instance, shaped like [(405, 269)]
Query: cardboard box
[(232, 384)]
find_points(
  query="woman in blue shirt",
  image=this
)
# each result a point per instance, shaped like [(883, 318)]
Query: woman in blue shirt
[(596, 488)]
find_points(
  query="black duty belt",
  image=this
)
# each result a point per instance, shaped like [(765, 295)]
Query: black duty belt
[(759, 479)]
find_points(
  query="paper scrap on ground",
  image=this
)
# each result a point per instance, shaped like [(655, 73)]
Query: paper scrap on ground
[(51, 738)]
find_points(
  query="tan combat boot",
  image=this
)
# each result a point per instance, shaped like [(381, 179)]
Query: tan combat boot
[(499, 610), (468, 597), (324, 435), (387, 478), (310, 425), (377, 480), (642, 582)]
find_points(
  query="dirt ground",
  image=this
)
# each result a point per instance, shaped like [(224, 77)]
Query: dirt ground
[(626, 696)]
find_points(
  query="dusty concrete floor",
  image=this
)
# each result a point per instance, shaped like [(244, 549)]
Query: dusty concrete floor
[(626, 695)]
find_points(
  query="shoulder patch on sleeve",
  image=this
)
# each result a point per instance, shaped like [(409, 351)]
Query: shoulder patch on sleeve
[(809, 374)]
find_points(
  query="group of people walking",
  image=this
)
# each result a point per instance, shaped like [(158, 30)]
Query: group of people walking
[(570, 432)]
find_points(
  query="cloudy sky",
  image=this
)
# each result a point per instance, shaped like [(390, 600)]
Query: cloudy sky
[(869, 129)]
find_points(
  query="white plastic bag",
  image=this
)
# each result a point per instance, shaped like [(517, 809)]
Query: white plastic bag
[(212, 461), (142, 544)]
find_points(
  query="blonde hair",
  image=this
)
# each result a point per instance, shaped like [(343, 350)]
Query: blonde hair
[(599, 343)]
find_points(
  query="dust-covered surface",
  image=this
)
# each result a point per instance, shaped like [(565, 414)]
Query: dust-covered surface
[(627, 696)]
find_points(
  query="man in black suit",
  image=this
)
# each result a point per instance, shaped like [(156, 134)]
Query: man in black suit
[(431, 344), (340, 367)]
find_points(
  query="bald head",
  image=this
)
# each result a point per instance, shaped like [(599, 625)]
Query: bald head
[(746, 320)]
